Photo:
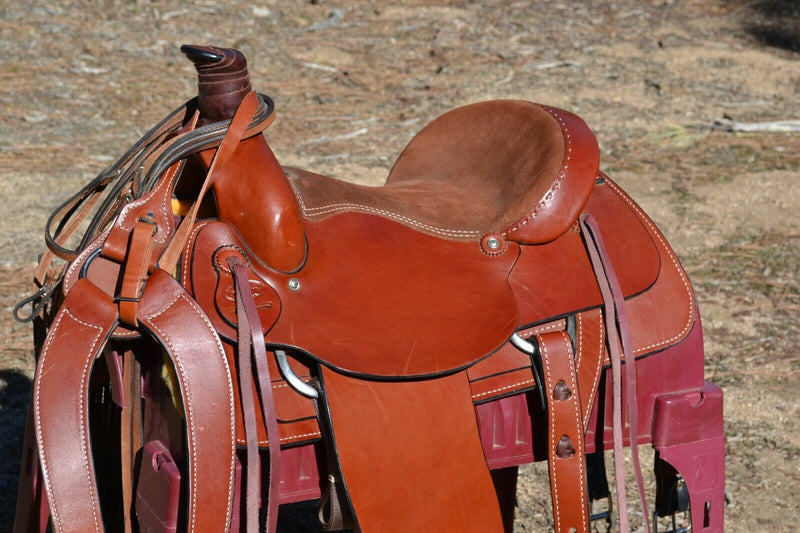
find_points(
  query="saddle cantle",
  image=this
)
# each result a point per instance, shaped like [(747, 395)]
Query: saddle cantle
[(360, 344)]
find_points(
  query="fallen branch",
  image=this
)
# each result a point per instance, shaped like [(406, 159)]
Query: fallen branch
[(551, 64), (342, 137), (726, 124)]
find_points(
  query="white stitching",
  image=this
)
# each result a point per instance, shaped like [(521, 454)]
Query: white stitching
[(42, 457), (597, 373), (551, 192), (291, 437), (526, 382), (330, 208), (190, 244), (552, 463), (580, 340), (78, 261), (536, 330), (674, 260)]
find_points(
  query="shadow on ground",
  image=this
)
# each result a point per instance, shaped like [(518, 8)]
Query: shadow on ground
[(775, 23), (14, 393)]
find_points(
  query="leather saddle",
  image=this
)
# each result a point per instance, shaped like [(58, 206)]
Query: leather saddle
[(486, 266)]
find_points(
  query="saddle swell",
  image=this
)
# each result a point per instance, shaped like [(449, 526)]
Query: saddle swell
[(509, 168)]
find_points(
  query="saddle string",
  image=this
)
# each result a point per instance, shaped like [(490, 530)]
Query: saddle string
[(620, 343), (245, 351), (251, 344)]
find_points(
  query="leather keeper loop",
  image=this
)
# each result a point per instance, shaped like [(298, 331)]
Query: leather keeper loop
[(137, 266)]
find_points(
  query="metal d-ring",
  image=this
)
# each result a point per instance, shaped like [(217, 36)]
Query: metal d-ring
[(523, 345), (291, 378)]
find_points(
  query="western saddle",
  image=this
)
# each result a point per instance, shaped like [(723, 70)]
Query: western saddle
[(238, 304)]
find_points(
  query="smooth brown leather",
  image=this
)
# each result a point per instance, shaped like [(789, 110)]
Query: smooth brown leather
[(411, 455), (79, 333), (371, 301), (556, 279), (509, 168), (565, 434), (495, 376), (269, 223)]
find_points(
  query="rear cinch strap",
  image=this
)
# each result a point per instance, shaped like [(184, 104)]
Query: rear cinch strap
[(620, 344), (565, 434)]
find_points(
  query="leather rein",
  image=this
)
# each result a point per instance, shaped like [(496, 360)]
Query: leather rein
[(134, 174)]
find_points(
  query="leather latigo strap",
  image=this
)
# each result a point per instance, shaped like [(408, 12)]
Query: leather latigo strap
[(565, 434), (410, 453), (79, 333)]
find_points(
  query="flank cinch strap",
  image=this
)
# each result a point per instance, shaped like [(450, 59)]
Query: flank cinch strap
[(565, 434)]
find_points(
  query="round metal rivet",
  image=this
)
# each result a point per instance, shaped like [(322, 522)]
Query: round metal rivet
[(294, 284), (492, 243)]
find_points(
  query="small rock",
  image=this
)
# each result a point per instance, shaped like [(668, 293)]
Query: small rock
[(261, 12), (35, 116)]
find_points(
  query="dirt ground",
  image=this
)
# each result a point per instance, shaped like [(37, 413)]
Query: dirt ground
[(81, 80)]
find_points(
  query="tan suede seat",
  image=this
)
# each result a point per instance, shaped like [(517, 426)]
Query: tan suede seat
[(507, 168)]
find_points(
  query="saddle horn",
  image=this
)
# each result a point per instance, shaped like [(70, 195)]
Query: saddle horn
[(222, 80), (270, 221)]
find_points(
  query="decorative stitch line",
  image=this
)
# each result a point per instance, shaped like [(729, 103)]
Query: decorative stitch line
[(674, 260), (552, 463), (551, 192), (578, 417), (330, 208), (597, 373), (526, 382)]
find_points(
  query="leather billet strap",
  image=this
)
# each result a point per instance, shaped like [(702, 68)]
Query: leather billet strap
[(251, 344), (135, 270), (78, 335), (619, 344), (565, 434)]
